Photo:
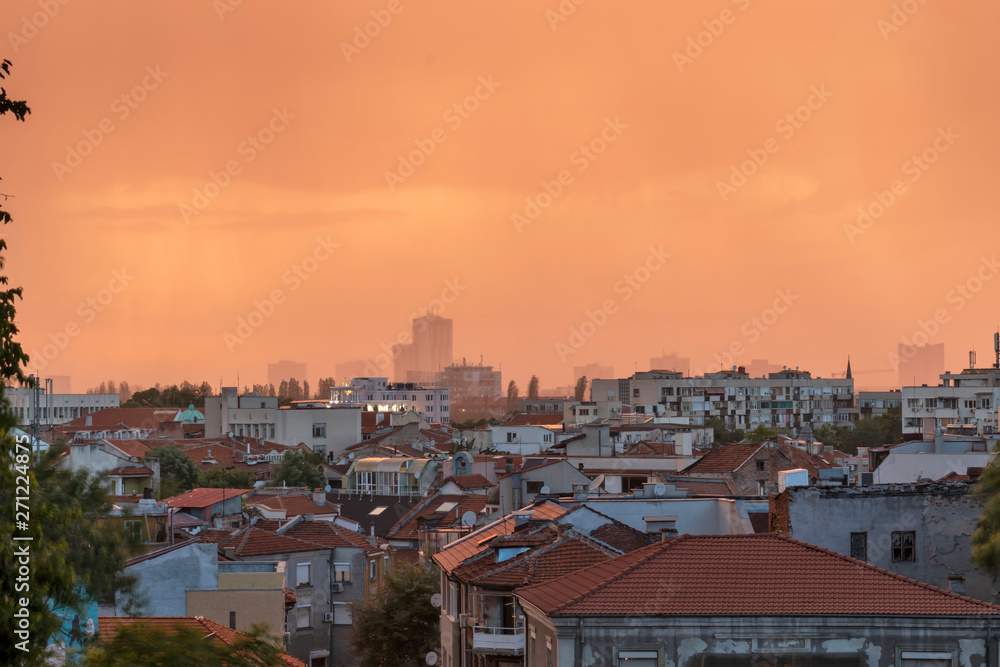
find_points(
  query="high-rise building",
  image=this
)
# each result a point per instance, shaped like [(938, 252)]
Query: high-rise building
[(591, 371), (670, 362), (468, 382), (920, 365), (346, 370), (430, 351), (285, 370)]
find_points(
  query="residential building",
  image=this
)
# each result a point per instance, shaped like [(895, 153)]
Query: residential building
[(754, 467), (164, 577), (124, 423), (969, 397), (719, 600), (319, 425), (519, 487), (250, 415), (920, 531), (390, 475), (439, 520), (584, 412), (542, 404), (665, 362), (286, 370), (127, 464), (430, 349), (949, 450), (787, 398), (208, 506), (55, 408), (591, 371), (468, 383), (876, 403)]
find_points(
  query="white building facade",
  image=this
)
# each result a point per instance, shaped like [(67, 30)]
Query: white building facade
[(969, 397), (56, 408)]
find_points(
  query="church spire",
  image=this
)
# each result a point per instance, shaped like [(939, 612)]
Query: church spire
[(849, 376)]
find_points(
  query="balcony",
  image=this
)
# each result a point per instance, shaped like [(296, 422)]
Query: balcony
[(492, 639)]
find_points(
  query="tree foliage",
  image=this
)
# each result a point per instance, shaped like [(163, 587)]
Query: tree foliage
[(143, 644), (218, 477), (398, 626), (722, 432), (533, 388), (300, 468), (581, 388), (986, 538), (176, 468), (874, 431), (170, 397), (512, 396)]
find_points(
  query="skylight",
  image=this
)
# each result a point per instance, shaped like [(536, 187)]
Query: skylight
[(446, 507)]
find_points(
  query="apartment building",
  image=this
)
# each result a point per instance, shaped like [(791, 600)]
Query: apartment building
[(787, 398), (969, 397)]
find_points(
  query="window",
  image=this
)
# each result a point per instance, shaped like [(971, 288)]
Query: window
[(511, 437), (232, 620), (859, 546), (761, 487), (134, 529), (925, 659), (761, 464), (638, 659), (342, 614), (533, 487), (635, 393), (319, 430), (303, 616), (302, 574), (373, 569), (902, 546), (342, 572)]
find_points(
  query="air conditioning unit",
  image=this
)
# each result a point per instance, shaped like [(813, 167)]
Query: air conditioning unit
[(337, 587), (328, 617)]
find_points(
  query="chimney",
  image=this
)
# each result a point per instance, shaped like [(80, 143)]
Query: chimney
[(230, 552), (667, 533), (508, 465), (580, 492), (371, 538), (956, 584), (319, 496)]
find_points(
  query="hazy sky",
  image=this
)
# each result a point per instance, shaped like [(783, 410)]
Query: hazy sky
[(652, 176)]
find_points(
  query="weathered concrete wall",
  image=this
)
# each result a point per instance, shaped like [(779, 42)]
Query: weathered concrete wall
[(163, 582), (692, 642), (942, 517)]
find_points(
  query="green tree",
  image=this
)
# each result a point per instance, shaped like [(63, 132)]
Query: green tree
[(512, 395), (299, 468), (398, 626), (182, 645), (218, 477), (761, 434), (533, 388), (581, 388), (722, 433), (178, 472), (986, 537)]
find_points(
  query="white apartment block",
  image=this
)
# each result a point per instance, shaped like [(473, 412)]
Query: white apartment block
[(969, 397), (430, 401), (56, 408), (249, 415), (874, 403), (789, 398)]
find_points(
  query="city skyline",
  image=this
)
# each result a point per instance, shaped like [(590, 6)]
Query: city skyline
[(731, 183)]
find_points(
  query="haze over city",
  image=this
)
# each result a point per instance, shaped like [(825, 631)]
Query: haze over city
[(202, 189)]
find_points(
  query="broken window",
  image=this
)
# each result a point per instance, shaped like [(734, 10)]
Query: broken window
[(902, 546), (859, 546)]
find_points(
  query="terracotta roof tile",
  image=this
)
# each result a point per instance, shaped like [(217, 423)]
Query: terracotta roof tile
[(426, 513), (293, 504), (470, 482), (108, 627), (131, 471), (255, 542), (742, 575), (724, 458), (326, 533), (204, 497), (536, 419)]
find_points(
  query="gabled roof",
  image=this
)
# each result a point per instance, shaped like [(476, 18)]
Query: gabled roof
[(255, 542), (724, 458), (704, 486), (382, 512), (160, 552), (108, 627), (743, 575), (113, 418), (427, 513), (294, 504), (131, 471), (452, 555), (469, 482), (132, 447), (204, 497), (326, 533)]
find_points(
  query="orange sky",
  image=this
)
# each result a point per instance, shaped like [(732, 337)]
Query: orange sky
[(333, 112)]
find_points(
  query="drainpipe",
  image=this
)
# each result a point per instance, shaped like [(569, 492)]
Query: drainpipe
[(329, 595)]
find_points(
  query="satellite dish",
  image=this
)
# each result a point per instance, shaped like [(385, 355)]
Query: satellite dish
[(328, 488), (351, 456), (416, 475), (545, 490), (469, 518), (660, 489), (436, 600), (596, 484), (431, 658)]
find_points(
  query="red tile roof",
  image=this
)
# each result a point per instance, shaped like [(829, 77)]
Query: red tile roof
[(536, 419), (704, 486), (425, 513), (724, 458), (204, 497), (742, 575), (131, 471), (127, 417), (293, 504), (326, 533), (127, 498), (255, 542), (458, 551), (138, 448), (108, 627), (470, 482)]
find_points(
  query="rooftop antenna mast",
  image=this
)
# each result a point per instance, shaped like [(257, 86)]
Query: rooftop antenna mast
[(996, 348)]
